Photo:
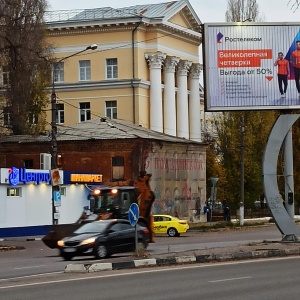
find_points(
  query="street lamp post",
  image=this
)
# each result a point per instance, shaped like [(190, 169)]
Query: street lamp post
[(55, 188)]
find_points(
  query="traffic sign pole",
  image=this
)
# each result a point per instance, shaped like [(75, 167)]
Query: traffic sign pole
[(136, 242), (133, 217)]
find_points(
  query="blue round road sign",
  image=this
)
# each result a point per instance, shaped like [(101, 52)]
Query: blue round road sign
[(133, 214)]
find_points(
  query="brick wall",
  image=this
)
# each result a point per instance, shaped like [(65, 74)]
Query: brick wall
[(84, 156)]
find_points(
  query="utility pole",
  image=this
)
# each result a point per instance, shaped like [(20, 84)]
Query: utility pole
[(55, 187)]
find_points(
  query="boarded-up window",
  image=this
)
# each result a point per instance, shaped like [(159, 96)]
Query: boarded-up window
[(118, 168)]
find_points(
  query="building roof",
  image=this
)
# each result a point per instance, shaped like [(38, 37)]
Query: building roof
[(148, 13), (100, 129)]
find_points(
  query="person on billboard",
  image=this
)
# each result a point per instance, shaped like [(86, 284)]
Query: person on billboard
[(295, 61), (282, 73)]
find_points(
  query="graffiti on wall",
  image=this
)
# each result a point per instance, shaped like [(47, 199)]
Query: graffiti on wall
[(178, 181)]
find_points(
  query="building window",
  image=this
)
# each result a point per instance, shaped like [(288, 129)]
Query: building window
[(111, 68), (58, 72), (6, 116), (28, 163), (117, 168), (111, 109), (33, 118), (85, 111), (60, 160), (4, 76), (60, 113), (14, 192), (84, 70)]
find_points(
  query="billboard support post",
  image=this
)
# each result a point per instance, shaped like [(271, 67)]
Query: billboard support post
[(242, 170)]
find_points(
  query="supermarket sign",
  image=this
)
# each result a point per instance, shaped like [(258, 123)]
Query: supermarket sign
[(239, 70)]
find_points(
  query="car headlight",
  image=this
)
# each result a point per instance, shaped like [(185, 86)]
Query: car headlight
[(88, 241), (60, 243)]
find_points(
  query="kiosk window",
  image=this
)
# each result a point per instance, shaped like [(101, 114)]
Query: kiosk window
[(14, 192)]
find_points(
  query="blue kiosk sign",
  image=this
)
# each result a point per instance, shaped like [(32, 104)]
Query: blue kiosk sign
[(22, 175)]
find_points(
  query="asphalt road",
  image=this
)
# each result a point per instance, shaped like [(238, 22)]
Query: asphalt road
[(256, 279), (36, 258)]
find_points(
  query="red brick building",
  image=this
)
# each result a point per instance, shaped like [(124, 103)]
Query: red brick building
[(120, 151)]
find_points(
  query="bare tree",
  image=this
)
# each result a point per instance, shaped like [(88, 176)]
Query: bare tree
[(242, 10), (294, 4), (24, 55)]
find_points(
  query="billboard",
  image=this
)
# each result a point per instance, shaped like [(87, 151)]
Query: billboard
[(251, 66)]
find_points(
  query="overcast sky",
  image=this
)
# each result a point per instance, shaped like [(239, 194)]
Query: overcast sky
[(207, 10)]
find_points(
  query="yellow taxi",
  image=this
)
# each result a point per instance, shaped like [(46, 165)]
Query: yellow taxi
[(169, 224)]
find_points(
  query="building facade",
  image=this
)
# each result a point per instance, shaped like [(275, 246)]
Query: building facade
[(120, 152), (26, 201), (145, 69)]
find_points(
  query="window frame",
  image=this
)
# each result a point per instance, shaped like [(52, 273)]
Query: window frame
[(85, 70), (59, 72), (84, 111), (4, 76), (28, 163), (111, 109), (118, 168), (16, 190), (111, 68), (60, 113), (6, 116), (33, 118)]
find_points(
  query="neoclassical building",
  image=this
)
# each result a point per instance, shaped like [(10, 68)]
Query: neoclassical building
[(145, 69)]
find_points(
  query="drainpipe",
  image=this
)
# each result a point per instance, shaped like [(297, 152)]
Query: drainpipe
[(133, 72)]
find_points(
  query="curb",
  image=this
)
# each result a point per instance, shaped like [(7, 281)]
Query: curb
[(179, 260), (9, 248), (29, 239)]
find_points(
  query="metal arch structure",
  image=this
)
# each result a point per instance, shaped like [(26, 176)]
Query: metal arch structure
[(275, 202)]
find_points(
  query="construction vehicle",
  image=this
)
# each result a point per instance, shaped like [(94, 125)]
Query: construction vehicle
[(108, 202)]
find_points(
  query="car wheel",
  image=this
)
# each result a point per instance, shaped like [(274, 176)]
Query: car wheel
[(66, 256), (172, 232), (101, 251)]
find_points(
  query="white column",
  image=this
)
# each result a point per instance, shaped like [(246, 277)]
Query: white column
[(169, 95), (155, 62), (182, 99), (194, 103)]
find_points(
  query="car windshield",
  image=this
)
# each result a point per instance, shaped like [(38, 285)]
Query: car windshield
[(93, 227)]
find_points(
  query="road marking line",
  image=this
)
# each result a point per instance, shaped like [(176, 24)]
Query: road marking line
[(29, 276), (134, 272), (230, 279), (31, 267)]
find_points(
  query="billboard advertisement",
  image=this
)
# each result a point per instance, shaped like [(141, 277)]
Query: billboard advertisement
[(251, 66)]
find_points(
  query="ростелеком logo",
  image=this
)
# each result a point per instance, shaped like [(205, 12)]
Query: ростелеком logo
[(219, 37)]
